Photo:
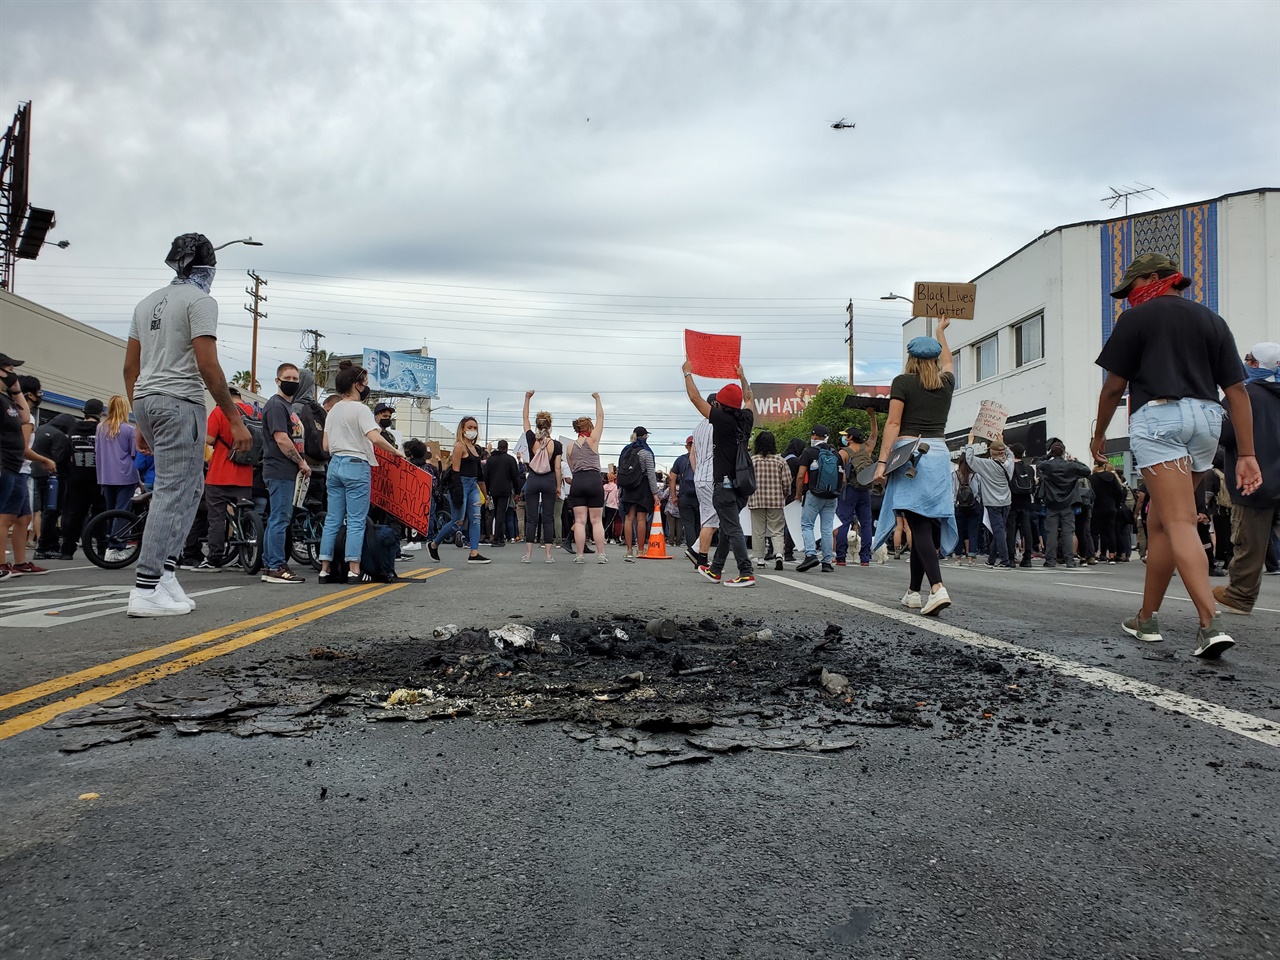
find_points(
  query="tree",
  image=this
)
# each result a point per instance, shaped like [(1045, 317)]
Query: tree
[(827, 407), (241, 379)]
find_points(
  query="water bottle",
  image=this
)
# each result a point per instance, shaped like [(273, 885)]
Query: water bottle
[(53, 493)]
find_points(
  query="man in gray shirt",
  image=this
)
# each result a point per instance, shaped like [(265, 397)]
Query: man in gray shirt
[(994, 474), (171, 357)]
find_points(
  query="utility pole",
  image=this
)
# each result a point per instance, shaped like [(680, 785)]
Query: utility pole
[(258, 299), (486, 421), (849, 339), (313, 353)]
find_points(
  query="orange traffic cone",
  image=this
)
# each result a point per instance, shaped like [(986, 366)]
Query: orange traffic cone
[(657, 539)]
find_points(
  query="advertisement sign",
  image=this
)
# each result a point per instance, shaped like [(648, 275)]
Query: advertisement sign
[(781, 401), (954, 300), (405, 374), (401, 489)]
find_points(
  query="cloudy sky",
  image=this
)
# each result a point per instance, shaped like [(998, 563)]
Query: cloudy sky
[(546, 194)]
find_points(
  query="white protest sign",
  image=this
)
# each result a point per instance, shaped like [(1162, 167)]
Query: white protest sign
[(992, 417)]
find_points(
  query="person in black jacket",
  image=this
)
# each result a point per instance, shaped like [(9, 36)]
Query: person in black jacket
[(502, 479), (1058, 477), (1107, 497), (83, 496), (53, 440)]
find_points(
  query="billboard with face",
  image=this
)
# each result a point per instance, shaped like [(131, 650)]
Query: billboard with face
[(403, 374)]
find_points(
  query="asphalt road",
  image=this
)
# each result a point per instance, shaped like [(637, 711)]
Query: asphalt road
[(1135, 818)]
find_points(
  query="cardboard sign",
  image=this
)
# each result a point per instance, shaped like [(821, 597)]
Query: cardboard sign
[(300, 486), (712, 355), (991, 420), (954, 300), (402, 490)]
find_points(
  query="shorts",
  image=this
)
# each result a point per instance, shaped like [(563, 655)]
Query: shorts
[(1174, 430), (587, 490), (706, 509), (18, 502)]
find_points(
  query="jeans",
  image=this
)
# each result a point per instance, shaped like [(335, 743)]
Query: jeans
[(1180, 429), (969, 523), (465, 511), (347, 485), (819, 513), (1019, 522), (117, 497), (728, 506), (1060, 525), (280, 498), (999, 519), (854, 504), (689, 521), (174, 430)]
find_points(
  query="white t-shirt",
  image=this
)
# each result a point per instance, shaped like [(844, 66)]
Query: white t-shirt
[(347, 428), (702, 453), (164, 324)]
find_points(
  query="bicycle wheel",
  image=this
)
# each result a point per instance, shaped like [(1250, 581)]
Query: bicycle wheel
[(314, 527), (98, 534), (297, 536), (250, 540)]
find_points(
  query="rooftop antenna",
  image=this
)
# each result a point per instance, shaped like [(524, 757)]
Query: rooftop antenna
[(1125, 192)]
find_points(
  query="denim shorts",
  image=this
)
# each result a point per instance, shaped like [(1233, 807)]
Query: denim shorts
[(1177, 429)]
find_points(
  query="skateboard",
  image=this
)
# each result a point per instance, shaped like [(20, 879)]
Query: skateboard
[(908, 456)]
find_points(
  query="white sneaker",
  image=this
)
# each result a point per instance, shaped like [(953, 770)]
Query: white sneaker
[(155, 603), (112, 555), (911, 600), (410, 548), (169, 584), (938, 601)]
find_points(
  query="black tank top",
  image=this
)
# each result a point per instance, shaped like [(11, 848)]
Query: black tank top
[(469, 466)]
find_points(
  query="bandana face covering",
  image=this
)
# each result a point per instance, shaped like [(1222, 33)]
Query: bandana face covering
[(1252, 374), (1153, 290), (201, 277)]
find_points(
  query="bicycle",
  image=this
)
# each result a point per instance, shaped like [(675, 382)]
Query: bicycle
[(244, 536), (306, 529)]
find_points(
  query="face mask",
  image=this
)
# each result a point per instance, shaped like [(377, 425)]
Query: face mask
[(363, 393), (471, 434), (289, 387), (385, 423), (9, 380), (816, 442), (1252, 374)]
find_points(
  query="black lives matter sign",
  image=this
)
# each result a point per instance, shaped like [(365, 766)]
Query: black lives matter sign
[(954, 300)]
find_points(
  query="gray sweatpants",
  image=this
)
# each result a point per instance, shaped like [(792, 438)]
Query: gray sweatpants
[(1059, 527), (174, 430)]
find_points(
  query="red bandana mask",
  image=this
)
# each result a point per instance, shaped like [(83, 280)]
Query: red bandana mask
[(1153, 290)]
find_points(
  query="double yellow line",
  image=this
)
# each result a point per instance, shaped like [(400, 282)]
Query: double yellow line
[(297, 615)]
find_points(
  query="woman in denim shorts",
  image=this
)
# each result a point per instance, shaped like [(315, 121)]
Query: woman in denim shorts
[(1173, 354)]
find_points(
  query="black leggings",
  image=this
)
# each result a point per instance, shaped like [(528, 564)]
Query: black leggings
[(540, 507), (926, 541)]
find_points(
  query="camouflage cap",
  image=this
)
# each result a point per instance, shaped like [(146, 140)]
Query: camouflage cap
[(1145, 264)]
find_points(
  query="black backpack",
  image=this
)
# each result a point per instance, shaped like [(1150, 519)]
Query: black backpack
[(377, 556), (744, 468), (965, 496), (253, 456), (1023, 481), (312, 416), (631, 473)]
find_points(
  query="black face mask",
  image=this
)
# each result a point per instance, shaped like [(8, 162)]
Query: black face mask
[(289, 387), (9, 380), (385, 423), (363, 392)]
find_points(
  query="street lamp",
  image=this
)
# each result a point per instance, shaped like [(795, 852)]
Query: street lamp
[(61, 244), (247, 241), (897, 296)]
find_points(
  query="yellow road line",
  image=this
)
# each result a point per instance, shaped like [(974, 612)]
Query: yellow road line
[(34, 718)]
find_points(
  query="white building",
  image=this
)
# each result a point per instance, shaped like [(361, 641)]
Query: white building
[(1044, 312)]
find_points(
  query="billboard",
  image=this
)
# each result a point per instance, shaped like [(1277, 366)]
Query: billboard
[(782, 401), (404, 374)]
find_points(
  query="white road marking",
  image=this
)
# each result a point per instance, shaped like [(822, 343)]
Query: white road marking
[(1138, 593), (1234, 721), (40, 612)]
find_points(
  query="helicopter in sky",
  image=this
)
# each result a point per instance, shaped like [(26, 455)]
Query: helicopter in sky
[(843, 124)]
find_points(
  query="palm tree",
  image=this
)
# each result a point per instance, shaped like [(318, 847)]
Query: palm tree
[(241, 379)]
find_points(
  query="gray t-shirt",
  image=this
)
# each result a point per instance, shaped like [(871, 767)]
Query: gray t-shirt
[(164, 324)]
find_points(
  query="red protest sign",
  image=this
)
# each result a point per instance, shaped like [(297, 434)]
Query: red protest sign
[(402, 490), (713, 355)]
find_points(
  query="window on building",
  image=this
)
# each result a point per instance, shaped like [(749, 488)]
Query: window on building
[(1029, 337), (955, 363), (984, 354)]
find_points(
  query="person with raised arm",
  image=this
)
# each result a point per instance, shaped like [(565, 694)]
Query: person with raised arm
[(542, 483), (586, 491)]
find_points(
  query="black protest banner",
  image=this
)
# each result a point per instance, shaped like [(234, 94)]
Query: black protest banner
[(403, 490)]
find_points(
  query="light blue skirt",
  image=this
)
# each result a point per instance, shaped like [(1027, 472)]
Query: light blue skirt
[(928, 493)]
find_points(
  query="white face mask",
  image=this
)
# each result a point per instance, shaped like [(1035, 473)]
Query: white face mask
[(472, 434)]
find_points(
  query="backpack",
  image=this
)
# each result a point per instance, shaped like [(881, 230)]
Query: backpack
[(253, 456), (965, 496), (827, 484), (1023, 481), (857, 462), (541, 460), (312, 431), (1087, 496), (630, 469), (744, 468), (377, 556)]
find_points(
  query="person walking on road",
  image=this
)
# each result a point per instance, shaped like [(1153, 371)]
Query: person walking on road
[(703, 462), (466, 461), (586, 491), (543, 482), (773, 480), (171, 358), (919, 403), (730, 430), (640, 489), (1059, 476), (1173, 355), (854, 502), (1255, 517), (819, 480), (350, 434), (995, 472), (282, 460)]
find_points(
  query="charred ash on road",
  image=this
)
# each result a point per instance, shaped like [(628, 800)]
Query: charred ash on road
[(667, 691)]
